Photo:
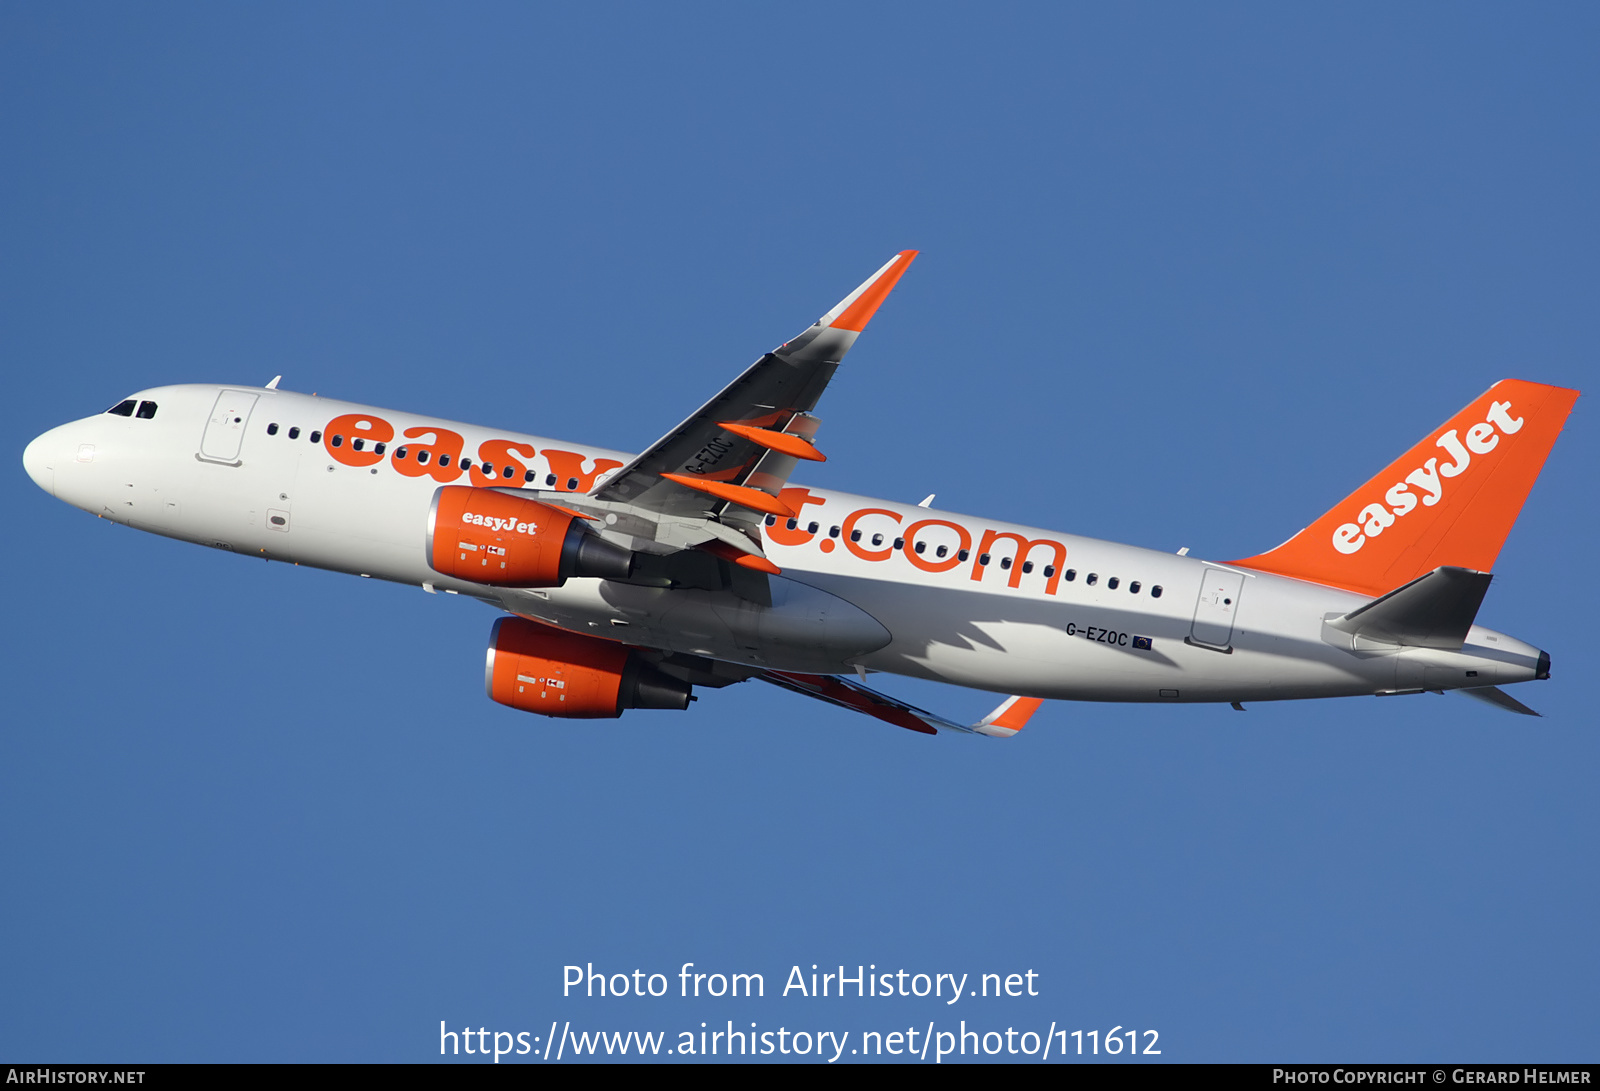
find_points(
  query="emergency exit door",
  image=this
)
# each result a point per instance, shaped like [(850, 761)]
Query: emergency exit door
[(1217, 607)]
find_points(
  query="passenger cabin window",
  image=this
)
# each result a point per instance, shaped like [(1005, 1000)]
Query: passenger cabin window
[(123, 409), (316, 435), (1133, 588), (1112, 583), (1005, 562), (359, 444), (337, 441), (921, 546), (899, 543), (147, 410), (444, 460), (1069, 575), (941, 551), (508, 473), (527, 478), (812, 529), (572, 484), (877, 539), (422, 458), (400, 452), (466, 463), (1050, 570), (377, 449), (792, 524), (833, 532), (1155, 592), (855, 536), (294, 433), (1091, 579), (772, 520), (1027, 566), (983, 558), (272, 429), (550, 480), (961, 554)]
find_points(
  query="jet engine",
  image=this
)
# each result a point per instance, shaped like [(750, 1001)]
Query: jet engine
[(492, 537), (539, 668)]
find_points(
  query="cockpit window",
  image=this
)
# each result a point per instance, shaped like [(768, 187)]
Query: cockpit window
[(147, 410), (123, 409)]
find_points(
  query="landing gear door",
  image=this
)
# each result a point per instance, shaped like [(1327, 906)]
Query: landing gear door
[(225, 430), (1218, 605)]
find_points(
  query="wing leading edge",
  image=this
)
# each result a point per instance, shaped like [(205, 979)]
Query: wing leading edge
[(731, 458)]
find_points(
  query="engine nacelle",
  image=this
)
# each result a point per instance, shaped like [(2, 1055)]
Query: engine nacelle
[(538, 668), (488, 536)]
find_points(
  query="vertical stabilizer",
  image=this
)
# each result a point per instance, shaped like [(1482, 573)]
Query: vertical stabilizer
[(1449, 501)]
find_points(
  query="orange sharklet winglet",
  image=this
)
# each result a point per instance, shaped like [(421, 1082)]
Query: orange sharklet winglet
[(1011, 717), (743, 560), (782, 442), (742, 495), (871, 295)]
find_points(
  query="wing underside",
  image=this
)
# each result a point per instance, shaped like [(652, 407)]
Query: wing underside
[(1006, 720)]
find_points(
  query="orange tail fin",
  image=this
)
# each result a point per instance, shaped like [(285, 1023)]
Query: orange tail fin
[(1450, 500)]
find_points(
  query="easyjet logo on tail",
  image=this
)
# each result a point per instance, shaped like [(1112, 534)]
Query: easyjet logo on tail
[(1450, 500), (1428, 478)]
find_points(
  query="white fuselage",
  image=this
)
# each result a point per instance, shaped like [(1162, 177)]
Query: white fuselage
[(1073, 618)]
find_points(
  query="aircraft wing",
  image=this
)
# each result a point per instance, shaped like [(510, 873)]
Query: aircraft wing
[(1005, 721), (729, 461)]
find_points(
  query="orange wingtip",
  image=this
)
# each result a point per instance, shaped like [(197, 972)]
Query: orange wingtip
[(782, 442), (1011, 717), (745, 497), (860, 311), (740, 558)]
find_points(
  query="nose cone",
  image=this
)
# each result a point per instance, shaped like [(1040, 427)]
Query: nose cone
[(37, 460)]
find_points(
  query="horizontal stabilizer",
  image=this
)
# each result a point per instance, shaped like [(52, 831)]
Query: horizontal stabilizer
[(1500, 698), (1003, 722), (1433, 611)]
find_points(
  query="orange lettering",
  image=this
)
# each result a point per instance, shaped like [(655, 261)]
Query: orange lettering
[(780, 532), (443, 446), (342, 433), (1024, 547), (855, 547), (496, 453), (924, 563), (567, 465)]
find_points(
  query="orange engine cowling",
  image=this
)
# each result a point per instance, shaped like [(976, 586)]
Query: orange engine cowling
[(538, 668), (492, 537)]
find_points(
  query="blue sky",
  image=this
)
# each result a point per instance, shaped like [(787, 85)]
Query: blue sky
[(1188, 276)]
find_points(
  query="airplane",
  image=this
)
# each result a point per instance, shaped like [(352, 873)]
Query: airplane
[(626, 581)]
